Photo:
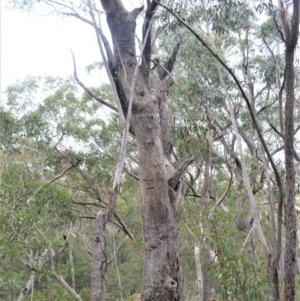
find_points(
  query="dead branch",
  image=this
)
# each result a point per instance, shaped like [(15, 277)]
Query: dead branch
[(90, 92), (168, 66), (180, 170)]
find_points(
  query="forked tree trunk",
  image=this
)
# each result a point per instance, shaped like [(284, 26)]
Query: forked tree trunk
[(161, 268)]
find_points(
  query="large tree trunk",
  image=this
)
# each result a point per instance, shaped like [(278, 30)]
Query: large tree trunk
[(161, 271), (161, 268)]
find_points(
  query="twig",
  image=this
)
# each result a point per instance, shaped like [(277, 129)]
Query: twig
[(53, 180)]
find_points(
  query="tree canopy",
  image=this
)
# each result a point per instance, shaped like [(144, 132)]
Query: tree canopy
[(177, 180)]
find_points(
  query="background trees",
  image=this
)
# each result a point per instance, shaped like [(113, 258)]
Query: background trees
[(231, 112)]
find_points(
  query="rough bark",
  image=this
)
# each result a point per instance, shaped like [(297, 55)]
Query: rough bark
[(99, 258), (291, 33), (161, 268), (290, 212), (206, 255)]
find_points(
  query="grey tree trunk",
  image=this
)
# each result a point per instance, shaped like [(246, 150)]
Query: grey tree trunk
[(150, 124), (291, 38), (99, 258), (27, 289), (206, 254)]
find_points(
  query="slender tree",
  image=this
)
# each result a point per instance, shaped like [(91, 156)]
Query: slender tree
[(291, 37)]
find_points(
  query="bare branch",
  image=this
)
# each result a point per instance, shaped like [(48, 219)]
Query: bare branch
[(87, 90), (149, 15), (282, 136), (88, 248), (253, 117), (59, 4), (53, 148), (168, 66), (277, 150), (276, 131), (76, 15), (180, 170), (100, 32), (60, 279), (156, 63), (265, 107), (251, 230), (137, 11), (297, 129), (109, 53), (64, 172), (296, 156), (53, 180), (279, 30), (124, 228), (131, 174), (218, 203)]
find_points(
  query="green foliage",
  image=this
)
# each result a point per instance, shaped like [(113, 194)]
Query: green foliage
[(30, 212), (94, 66), (9, 127), (40, 211), (236, 272), (47, 125), (56, 293), (129, 258)]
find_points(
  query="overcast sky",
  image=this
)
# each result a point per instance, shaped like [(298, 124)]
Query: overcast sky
[(34, 45)]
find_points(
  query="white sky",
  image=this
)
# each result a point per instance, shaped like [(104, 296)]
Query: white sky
[(34, 45)]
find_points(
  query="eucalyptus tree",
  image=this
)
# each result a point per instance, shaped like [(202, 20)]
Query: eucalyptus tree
[(150, 123), (36, 151), (140, 85), (235, 18), (44, 143), (143, 107), (34, 211), (291, 32), (204, 120)]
